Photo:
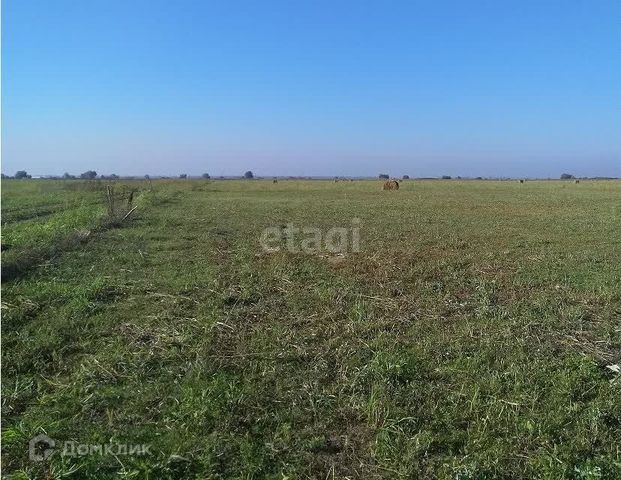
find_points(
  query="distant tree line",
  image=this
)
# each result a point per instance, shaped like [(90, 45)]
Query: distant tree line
[(88, 175), (92, 174), (20, 174)]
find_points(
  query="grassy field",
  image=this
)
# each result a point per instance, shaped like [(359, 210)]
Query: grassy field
[(468, 338)]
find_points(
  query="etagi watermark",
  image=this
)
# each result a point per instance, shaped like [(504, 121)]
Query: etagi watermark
[(312, 239), (42, 447)]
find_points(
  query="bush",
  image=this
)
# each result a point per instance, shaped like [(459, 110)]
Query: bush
[(89, 175)]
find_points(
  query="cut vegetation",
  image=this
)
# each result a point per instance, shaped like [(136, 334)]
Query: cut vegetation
[(474, 335)]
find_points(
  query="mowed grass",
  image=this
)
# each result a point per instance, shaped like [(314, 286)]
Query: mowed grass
[(43, 218), (36, 213), (469, 338)]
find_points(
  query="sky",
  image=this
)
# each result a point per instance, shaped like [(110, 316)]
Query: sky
[(425, 88)]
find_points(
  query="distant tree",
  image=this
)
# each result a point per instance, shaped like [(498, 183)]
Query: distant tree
[(384, 176), (89, 175), (22, 174), (446, 177), (206, 176), (68, 176), (406, 177), (567, 176), (114, 176), (248, 174), (3, 176), (183, 175)]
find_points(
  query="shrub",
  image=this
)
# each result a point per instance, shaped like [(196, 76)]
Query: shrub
[(89, 175)]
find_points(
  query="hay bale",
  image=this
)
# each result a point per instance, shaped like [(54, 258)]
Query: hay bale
[(391, 185)]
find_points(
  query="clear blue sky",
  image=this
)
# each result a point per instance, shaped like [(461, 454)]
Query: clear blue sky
[(498, 87)]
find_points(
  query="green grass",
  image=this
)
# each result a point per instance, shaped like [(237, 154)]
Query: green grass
[(468, 339), (42, 219)]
